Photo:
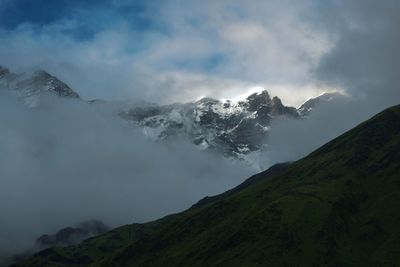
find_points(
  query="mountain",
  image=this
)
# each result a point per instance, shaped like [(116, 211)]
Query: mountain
[(67, 236), (231, 128), (339, 206), (30, 87), (234, 129), (72, 235), (306, 108)]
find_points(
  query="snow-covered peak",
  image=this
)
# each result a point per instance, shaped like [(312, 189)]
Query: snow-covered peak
[(255, 90), (207, 101), (45, 81), (305, 109), (233, 128), (29, 87), (236, 128)]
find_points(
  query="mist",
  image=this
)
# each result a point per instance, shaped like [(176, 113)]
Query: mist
[(291, 139), (66, 161), (364, 62)]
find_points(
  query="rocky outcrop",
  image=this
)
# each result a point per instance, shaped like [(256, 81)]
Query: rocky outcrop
[(72, 235)]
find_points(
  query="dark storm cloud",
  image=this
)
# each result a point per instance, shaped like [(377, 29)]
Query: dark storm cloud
[(364, 61), (291, 139)]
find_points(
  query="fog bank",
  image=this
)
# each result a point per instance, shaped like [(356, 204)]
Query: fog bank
[(66, 162)]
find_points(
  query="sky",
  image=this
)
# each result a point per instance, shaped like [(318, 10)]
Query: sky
[(167, 51), (363, 60), (174, 50)]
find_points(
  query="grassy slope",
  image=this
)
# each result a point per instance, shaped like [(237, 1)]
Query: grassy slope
[(339, 206)]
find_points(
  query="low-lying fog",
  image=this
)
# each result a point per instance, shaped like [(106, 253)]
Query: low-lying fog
[(66, 162)]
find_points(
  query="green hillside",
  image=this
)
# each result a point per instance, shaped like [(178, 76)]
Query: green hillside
[(339, 206)]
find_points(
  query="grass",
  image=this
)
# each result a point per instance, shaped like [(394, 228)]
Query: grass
[(339, 206)]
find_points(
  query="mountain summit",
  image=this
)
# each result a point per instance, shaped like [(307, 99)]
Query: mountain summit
[(29, 87), (336, 207), (231, 128), (235, 129)]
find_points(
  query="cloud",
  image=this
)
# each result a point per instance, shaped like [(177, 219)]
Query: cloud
[(364, 61), (176, 51), (107, 50), (68, 161), (291, 139)]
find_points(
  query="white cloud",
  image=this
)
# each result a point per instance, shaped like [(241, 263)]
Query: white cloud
[(260, 42)]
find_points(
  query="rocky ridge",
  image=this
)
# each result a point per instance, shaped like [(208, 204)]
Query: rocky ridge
[(235, 129)]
